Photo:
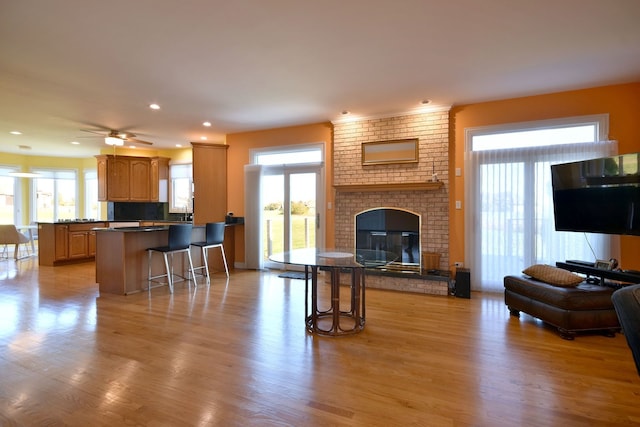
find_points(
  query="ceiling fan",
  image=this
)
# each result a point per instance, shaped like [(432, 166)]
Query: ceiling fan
[(118, 138)]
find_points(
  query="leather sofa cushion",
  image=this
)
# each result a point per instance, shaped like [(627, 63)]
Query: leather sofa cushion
[(584, 296)]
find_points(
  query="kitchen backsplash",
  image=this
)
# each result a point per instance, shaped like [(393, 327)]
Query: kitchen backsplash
[(131, 211)]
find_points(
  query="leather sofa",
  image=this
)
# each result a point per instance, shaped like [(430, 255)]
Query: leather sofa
[(584, 307)]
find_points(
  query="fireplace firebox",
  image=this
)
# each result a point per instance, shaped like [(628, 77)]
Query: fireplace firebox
[(392, 230)]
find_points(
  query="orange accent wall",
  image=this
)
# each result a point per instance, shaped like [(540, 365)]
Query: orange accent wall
[(621, 102), (240, 145)]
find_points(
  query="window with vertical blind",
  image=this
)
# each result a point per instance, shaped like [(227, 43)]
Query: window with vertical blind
[(509, 221)]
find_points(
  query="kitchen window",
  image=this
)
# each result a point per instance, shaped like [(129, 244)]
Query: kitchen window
[(55, 195), (181, 191)]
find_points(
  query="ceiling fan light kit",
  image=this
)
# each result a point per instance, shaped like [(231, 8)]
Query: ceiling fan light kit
[(112, 140)]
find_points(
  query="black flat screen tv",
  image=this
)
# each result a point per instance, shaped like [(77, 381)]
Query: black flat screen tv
[(598, 196)]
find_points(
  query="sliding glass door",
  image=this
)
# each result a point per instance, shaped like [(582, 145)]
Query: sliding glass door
[(290, 216)]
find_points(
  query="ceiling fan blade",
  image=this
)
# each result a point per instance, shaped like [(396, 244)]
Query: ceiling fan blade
[(97, 132), (139, 141)]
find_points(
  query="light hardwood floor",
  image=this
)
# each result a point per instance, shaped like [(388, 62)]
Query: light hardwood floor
[(237, 354)]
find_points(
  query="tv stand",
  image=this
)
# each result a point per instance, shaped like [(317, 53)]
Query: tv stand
[(602, 274)]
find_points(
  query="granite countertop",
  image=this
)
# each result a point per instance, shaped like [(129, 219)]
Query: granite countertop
[(73, 221), (133, 229), (165, 223), (140, 228)]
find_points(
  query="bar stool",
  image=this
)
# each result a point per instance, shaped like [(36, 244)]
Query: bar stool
[(179, 241), (214, 235)]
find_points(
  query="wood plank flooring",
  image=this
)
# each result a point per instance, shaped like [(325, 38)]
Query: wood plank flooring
[(237, 354)]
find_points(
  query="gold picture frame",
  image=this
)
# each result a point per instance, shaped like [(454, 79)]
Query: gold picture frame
[(388, 152)]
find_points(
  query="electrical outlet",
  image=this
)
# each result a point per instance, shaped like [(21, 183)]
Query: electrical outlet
[(458, 264)]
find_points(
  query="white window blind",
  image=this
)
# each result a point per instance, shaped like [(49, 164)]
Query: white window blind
[(509, 222)]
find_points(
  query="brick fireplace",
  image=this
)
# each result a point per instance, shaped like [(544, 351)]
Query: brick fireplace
[(406, 186)]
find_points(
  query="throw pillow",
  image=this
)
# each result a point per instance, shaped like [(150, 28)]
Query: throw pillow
[(553, 275)]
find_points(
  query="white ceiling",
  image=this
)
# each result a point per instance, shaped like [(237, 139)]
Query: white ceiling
[(68, 65)]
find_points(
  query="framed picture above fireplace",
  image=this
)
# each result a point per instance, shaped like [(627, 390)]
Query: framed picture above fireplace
[(393, 151)]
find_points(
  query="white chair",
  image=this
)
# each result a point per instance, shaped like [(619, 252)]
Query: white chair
[(9, 235), (214, 238), (179, 242)]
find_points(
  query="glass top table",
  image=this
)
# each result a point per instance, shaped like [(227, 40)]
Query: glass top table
[(325, 313), (332, 257)]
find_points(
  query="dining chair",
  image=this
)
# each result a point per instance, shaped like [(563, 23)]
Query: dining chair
[(9, 235)]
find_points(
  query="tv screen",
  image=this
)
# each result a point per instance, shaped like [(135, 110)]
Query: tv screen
[(598, 196)]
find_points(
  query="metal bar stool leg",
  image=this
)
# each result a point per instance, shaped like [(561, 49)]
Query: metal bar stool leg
[(224, 260), (169, 270), (205, 256), (191, 271)]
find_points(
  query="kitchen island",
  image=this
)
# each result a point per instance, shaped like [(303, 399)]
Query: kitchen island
[(122, 259)]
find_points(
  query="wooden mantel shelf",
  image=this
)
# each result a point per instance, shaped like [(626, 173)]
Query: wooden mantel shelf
[(402, 186)]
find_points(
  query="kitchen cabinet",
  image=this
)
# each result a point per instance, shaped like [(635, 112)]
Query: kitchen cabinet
[(159, 179), (62, 243), (209, 182), (132, 179), (82, 243), (139, 179)]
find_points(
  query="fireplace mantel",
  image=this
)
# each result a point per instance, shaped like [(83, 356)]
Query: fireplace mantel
[(401, 186)]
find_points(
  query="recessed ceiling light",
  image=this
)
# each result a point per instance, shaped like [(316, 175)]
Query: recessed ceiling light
[(154, 106), (207, 124), (425, 101), (75, 142), (204, 138), (24, 147), (178, 145), (15, 132), (344, 112)]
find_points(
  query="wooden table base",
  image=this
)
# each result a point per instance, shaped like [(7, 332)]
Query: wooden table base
[(333, 321)]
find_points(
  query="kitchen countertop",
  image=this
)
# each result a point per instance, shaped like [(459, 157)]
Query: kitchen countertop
[(73, 221), (134, 229), (90, 221)]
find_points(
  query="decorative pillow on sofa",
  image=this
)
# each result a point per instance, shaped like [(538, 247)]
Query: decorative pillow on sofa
[(553, 275)]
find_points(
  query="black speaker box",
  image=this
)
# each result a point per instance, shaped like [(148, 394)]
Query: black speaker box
[(463, 283)]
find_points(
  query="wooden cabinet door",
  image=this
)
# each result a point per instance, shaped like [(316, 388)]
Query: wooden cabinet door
[(61, 242), (118, 178), (159, 179), (91, 243), (78, 244), (209, 182), (154, 180), (102, 179), (140, 174)]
